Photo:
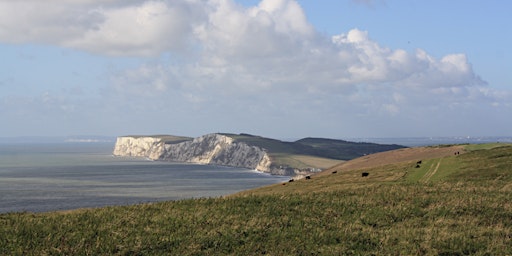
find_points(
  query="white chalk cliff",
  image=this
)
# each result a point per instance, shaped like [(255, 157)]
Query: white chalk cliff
[(214, 149)]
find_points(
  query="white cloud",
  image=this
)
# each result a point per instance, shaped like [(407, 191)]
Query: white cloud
[(288, 16), (256, 53), (118, 28), (261, 61), (270, 46), (142, 81), (141, 30), (37, 21)]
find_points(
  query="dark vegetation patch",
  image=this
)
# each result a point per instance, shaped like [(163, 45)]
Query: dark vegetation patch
[(327, 148)]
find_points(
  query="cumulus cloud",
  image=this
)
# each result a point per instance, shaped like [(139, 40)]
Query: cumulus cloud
[(118, 28), (141, 30), (35, 21), (263, 60), (271, 45)]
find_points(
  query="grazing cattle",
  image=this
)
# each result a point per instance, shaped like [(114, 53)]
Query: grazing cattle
[(419, 162), (308, 177), (291, 180), (418, 166), (334, 172), (365, 174)]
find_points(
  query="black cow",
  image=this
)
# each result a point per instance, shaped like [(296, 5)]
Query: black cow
[(334, 172), (365, 174), (419, 162), (291, 180), (308, 177)]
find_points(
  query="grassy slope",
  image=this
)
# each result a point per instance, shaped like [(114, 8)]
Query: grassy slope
[(326, 148), (345, 150), (311, 152), (463, 208), (304, 161)]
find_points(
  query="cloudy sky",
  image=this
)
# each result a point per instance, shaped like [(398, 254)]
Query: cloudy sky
[(276, 68)]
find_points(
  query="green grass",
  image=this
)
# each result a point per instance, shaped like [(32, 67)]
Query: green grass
[(433, 170), (473, 147), (463, 209), (484, 161)]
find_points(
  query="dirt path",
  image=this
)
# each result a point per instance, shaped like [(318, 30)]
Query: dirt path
[(428, 175)]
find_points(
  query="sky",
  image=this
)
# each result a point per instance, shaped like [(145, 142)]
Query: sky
[(275, 68)]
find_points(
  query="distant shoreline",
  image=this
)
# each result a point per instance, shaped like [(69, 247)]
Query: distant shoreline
[(405, 141), (429, 141)]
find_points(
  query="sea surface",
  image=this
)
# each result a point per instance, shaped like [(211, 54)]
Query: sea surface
[(40, 177)]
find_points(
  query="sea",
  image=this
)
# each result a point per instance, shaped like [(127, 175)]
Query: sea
[(42, 177)]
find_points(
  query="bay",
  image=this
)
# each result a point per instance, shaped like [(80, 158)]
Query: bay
[(63, 176)]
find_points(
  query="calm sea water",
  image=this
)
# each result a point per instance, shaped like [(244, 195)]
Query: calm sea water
[(61, 176)]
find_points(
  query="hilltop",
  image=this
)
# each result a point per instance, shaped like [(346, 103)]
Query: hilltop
[(321, 147)]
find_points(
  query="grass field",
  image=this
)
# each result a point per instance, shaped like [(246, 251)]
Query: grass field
[(462, 208), (303, 161)]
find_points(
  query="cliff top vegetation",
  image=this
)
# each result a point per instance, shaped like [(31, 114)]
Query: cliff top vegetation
[(168, 139), (321, 147)]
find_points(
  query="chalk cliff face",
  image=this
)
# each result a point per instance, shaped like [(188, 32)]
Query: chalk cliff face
[(215, 149), (150, 147)]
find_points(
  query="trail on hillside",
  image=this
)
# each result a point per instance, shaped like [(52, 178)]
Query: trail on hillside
[(397, 156), (431, 172)]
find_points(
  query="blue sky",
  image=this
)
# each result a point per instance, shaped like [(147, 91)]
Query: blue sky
[(277, 68)]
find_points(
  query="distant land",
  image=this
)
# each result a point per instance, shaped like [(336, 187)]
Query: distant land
[(58, 139), (404, 141), (429, 141), (300, 157)]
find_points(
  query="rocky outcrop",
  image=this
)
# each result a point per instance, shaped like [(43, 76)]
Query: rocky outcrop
[(150, 147), (214, 149)]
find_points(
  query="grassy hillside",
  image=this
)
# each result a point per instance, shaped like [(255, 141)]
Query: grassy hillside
[(452, 204), (326, 148), (439, 165), (344, 150), (311, 152)]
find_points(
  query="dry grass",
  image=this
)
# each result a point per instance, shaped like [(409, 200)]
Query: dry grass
[(304, 161), (406, 155)]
